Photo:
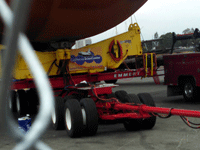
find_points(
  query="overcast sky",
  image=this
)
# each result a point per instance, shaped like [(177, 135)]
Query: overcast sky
[(160, 16)]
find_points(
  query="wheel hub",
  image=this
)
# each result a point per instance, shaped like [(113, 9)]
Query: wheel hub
[(68, 119), (53, 116), (84, 115), (10, 103), (188, 90), (18, 104)]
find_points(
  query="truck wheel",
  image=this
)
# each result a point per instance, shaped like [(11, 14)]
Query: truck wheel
[(12, 102), (21, 102), (90, 116), (132, 124), (132, 98), (33, 101), (189, 91), (121, 94), (111, 81), (58, 114), (77, 96), (69, 97), (146, 98), (111, 96), (73, 118)]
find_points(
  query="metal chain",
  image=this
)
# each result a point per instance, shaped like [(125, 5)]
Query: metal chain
[(15, 39)]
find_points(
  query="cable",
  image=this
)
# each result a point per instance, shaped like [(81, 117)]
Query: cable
[(102, 99), (54, 62), (188, 123), (185, 120), (126, 65), (164, 117)]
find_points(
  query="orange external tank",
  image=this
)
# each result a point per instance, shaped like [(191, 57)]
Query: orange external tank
[(69, 20)]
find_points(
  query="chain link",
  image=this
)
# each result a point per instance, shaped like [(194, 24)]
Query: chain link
[(14, 39)]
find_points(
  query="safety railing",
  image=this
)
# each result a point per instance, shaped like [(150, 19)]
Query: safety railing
[(153, 63), (14, 39)]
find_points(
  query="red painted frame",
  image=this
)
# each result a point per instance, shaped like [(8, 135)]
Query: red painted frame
[(58, 82), (111, 110)]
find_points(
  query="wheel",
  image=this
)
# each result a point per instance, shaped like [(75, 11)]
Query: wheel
[(70, 97), (73, 118), (77, 96), (58, 114), (33, 101), (21, 102), (111, 81), (146, 98), (12, 102), (132, 98), (90, 116), (121, 95), (132, 124), (108, 96), (189, 90)]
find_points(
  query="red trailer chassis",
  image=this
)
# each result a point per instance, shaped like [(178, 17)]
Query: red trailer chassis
[(108, 109), (134, 110), (59, 82), (113, 109), (138, 111)]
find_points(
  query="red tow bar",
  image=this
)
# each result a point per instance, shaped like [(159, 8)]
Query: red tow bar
[(148, 109)]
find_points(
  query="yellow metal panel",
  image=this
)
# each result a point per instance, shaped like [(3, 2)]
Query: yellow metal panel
[(130, 43), (21, 70), (90, 59), (1, 47)]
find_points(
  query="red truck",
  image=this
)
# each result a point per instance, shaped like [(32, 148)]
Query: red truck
[(182, 70), (182, 75)]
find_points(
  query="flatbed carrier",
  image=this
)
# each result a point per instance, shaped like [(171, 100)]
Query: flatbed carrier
[(81, 103)]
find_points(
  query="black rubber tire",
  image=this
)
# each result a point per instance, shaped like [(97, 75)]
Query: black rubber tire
[(69, 97), (147, 99), (21, 102), (91, 116), (111, 81), (132, 98), (132, 124), (12, 102), (73, 118), (75, 96), (109, 96), (58, 121), (190, 96), (121, 94), (33, 101)]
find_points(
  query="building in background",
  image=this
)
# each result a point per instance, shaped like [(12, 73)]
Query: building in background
[(82, 43)]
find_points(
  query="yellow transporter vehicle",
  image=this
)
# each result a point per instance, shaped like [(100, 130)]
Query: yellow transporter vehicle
[(66, 68), (80, 107), (93, 63), (94, 58)]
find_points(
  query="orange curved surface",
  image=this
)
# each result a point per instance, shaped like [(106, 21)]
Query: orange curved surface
[(69, 20)]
